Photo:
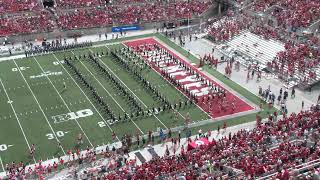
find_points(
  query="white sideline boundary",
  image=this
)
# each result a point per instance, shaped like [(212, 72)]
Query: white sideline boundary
[(108, 92), (85, 95), (64, 102), (35, 98), (130, 89), (15, 114), (2, 167)]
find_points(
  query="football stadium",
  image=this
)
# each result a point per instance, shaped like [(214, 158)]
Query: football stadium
[(152, 89)]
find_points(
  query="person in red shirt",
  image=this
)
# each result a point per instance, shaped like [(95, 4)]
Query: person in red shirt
[(78, 152), (113, 136), (49, 168), (55, 166), (61, 162), (182, 150)]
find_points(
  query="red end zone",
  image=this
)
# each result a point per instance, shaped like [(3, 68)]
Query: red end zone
[(189, 80)]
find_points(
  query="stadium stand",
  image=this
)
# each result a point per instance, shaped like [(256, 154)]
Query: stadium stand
[(297, 64), (294, 14), (93, 15), (77, 4), (274, 149), (15, 6), (36, 22)]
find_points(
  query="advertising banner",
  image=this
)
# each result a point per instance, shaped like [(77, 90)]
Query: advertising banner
[(125, 28)]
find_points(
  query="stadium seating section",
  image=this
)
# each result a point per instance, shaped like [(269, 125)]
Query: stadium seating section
[(273, 147), (15, 6), (277, 145), (300, 59), (270, 149), (76, 14)]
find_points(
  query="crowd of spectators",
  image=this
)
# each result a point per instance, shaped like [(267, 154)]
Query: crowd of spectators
[(297, 57), (85, 18), (40, 21), (291, 13), (275, 147), (300, 59), (97, 17), (67, 4), (133, 1), (93, 16), (228, 27), (14, 6), (269, 148)]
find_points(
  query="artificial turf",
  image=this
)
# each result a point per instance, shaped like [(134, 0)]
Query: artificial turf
[(28, 103)]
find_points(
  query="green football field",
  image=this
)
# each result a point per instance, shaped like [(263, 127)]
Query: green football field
[(35, 108)]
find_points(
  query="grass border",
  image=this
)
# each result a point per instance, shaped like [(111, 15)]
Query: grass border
[(264, 113)]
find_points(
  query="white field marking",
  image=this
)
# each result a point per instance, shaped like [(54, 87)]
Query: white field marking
[(130, 90), (84, 94), (177, 90), (15, 114), (64, 102), (109, 94), (3, 170), (172, 85), (39, 105)]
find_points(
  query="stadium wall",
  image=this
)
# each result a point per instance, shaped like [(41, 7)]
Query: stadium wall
[(83, 32)]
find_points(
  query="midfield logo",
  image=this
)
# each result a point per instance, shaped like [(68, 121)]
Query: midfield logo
[(72, 116)]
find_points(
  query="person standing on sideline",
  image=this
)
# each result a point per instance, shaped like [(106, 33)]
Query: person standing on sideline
[(293, 93), (224, 127), (302, 105)]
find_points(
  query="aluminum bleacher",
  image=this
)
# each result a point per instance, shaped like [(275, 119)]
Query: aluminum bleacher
[(249, 48)]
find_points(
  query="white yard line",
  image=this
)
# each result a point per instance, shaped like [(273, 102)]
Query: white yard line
[(109, 94), (171, 84), (85, 95), (63, 101), (35, 98), (1, 163), (129, 89), (15, 114)]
